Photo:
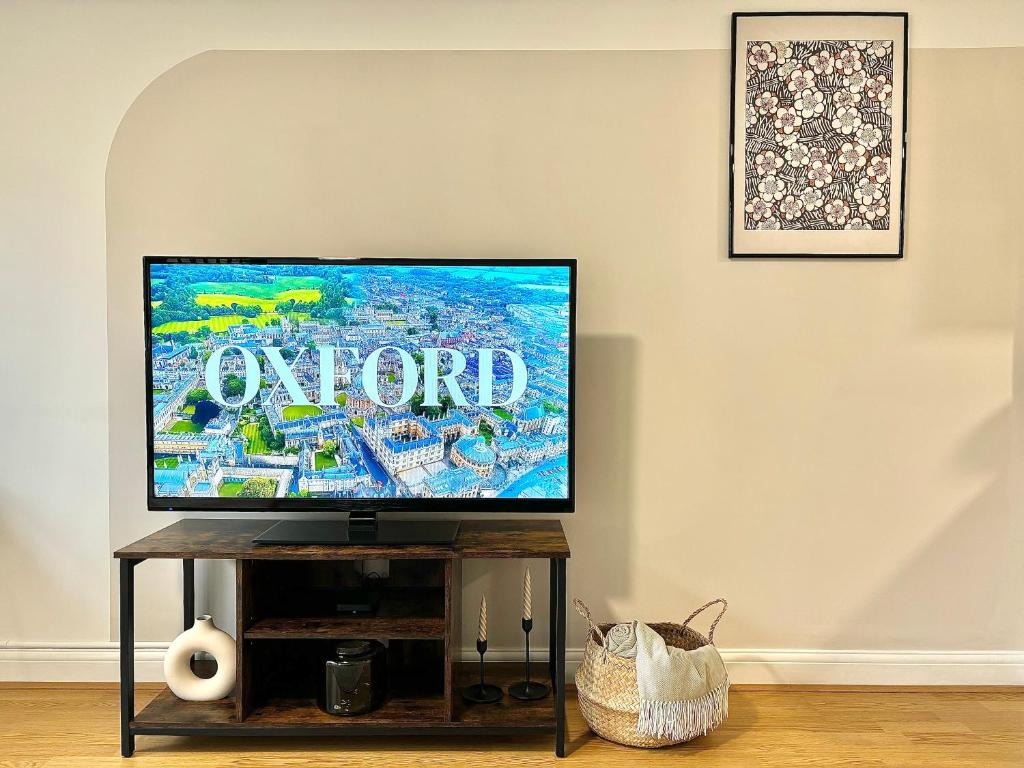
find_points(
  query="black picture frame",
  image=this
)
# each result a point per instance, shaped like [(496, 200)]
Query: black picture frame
[(335, 505), (899, 253)]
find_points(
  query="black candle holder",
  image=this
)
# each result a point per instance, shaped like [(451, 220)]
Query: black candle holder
[(528, 690), (482, 693)]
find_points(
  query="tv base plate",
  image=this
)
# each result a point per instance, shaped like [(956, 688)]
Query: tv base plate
[(396, 532)]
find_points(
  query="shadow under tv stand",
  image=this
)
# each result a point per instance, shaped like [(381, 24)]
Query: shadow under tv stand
[(419, 614)]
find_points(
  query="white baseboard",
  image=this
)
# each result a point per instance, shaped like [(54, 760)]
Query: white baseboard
[(78, 662), (98, 662), (813, 667), (810, 667)]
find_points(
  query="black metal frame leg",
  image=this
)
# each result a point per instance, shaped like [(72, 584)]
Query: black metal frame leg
[(559, 653), (188, 593), (188, 599), (126, 649), (552, 623)]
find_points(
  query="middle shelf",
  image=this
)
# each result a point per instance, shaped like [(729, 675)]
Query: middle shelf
[(309, 601), (346, 627)]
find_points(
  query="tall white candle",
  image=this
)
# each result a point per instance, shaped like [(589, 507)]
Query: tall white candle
[(483, 619), (527, 596)]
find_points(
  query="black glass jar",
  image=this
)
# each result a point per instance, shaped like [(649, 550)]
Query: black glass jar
[(355, 678)]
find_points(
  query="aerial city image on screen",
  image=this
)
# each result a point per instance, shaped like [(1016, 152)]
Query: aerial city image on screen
[(291, 380)]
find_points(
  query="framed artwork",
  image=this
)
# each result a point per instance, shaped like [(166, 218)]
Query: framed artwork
[(818, 126)]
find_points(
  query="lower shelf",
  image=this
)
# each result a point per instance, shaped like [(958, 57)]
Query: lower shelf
[(535, 715), (167, 714)]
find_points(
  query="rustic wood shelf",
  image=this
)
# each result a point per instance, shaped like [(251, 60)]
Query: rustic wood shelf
[(281, 629), (232, 540), (403, 613), (346, 627), (169, 714), (538, 715)]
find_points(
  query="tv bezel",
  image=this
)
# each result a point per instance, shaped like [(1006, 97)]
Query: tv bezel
[(326, 504)]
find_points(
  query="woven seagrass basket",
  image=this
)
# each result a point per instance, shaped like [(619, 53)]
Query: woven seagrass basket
[(606, 684)]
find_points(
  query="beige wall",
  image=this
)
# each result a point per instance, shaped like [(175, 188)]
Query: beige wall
[(847, 429), (825, 444)]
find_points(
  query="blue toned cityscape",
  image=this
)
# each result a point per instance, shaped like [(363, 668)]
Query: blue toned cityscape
[(360, 381)]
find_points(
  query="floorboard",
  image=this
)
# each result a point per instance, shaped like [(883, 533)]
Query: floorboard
[(53, 725)]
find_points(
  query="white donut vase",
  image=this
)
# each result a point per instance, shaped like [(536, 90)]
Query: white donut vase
[(183, 682)]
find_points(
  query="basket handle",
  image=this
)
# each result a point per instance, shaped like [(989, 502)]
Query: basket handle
[(582, 610), (721, 613)]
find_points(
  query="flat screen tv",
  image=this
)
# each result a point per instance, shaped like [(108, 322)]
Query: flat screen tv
[(360, 385)]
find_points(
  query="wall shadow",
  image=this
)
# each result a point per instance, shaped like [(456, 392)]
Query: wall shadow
[(601, 542), (979, 610), (981, 594), (600, 532)]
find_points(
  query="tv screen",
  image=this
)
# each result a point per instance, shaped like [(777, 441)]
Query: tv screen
[(360, 385)]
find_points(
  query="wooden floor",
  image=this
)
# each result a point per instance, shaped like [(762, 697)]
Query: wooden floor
[(51, 725)]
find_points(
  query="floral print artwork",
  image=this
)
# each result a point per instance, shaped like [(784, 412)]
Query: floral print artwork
[(818, 134)]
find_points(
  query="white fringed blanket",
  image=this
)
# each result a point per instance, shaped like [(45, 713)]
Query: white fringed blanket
[(683, 694)]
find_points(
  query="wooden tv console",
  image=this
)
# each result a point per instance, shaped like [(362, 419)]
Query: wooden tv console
[(279, 645)]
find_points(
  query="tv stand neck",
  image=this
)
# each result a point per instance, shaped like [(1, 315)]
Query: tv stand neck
[(361, 528), (363, 522)]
